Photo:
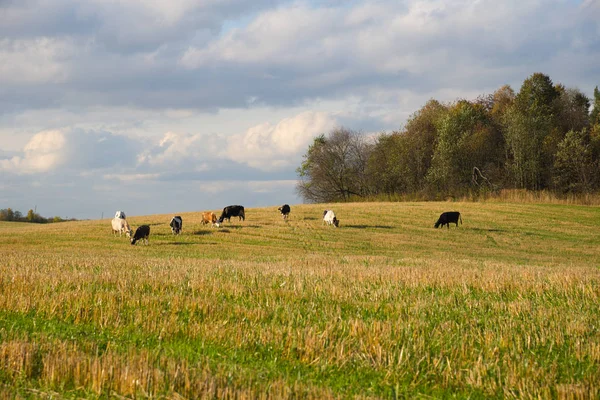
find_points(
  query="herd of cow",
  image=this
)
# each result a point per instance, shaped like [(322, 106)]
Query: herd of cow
[(142, 233)]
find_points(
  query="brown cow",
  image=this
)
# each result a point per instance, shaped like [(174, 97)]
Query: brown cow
[(209, 217)]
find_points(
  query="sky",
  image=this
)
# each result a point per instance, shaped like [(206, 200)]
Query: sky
[(162, 107)]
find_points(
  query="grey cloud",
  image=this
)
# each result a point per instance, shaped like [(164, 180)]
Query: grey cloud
[(341, 51), (98, 149)]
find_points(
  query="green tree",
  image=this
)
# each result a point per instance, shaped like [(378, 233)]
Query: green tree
[(572, 110), (399, 161), (528, 123), (466, 140), (595, 114), (573, 165)]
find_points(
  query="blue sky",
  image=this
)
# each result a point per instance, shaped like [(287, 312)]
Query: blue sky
[(166, 107)]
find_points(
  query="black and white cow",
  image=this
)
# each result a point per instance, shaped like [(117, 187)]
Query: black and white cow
[(232, 211), (448, 217), (176, 224), (329, 218), (284, 210), (141, 233)]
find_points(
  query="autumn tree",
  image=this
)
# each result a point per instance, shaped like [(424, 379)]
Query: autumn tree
[(573, 163), (400, 161), (334, 167), (595, 114), (466, 140), (528, 123)]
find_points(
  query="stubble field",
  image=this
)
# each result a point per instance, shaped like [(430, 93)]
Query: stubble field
[(386, 306)]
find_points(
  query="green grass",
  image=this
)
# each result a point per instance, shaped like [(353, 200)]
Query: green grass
[(385, 306)]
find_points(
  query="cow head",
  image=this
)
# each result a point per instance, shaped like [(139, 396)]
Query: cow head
[(336, 222)]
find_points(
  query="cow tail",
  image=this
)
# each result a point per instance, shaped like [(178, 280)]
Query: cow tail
[(460, 217)]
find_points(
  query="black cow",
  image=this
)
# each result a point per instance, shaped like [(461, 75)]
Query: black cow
[(176, 224), (448, 217), (142, 232), (232, 211), (284, 210)]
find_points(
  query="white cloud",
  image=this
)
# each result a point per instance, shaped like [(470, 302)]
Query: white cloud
[(75, 149), (174, 149), (264, 146), (269, 147), (241, 88), (41, 154)]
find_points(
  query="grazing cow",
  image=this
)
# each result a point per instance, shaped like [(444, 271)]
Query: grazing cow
[(142, 232), (176, 224), (284, 210), (448, 217), (232, 211), (329, 218), (209, 217), (120, 214), (120, 225)]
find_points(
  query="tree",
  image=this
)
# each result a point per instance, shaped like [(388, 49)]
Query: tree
[(572, 110), (400, 161), (334, 167), (421, 133), (528, 123), (573, 164), (595, 114), (466, 139)]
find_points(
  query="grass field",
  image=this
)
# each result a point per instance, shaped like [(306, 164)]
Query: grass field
[(386, 306)]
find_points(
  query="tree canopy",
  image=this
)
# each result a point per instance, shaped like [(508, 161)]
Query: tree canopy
[(543, 137)]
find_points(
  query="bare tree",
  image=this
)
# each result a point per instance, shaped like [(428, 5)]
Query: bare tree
[(334, 167)]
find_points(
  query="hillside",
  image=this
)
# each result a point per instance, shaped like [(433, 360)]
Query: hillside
[(506, 305)]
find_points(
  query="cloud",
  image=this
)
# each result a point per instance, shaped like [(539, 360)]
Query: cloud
[(265, 146), (34, 61), (269, 147), (234, 54), (175, 149), (213, 93), (71, 149), (41, 154)]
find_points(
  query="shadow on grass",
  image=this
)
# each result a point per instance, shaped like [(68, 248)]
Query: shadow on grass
[(238, 226), (202, 233), (174, 244), (369, 226), (487, 230), (311, 218)]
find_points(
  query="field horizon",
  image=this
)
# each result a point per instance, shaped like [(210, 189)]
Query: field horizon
[(385, 306)]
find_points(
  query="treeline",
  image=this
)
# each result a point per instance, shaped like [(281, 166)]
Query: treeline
[(7, 214), (545, 137)]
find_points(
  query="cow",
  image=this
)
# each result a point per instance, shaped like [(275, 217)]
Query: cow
[(209, 217), (448, 217), (176, 225), (141, 233), (120, 214), (120, 225), (329, 218), (284, 210), (232, 211)]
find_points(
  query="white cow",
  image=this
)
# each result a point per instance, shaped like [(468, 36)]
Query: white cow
[(120, 225), (330, 219)]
